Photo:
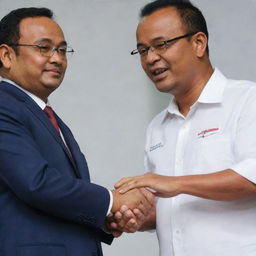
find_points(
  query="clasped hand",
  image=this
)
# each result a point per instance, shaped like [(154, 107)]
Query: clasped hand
[(129, 211), (133, 212)]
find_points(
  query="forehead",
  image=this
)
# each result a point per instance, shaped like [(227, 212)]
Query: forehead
[(36, 28), (161, 23)]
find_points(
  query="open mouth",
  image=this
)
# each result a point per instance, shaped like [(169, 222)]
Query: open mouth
[(158, 73)]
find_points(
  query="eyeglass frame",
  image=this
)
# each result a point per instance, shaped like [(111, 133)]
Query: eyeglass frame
[(161, 45), (53, 49)]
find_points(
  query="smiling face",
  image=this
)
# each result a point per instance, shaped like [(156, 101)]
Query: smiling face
[(173, 70), (38, 74)]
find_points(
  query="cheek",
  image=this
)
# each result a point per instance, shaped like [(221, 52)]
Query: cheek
[(171, 58), (35, 65), (35, 59), (144, 66), (64, 65)]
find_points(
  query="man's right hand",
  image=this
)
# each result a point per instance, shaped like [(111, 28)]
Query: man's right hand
[(130, 210)]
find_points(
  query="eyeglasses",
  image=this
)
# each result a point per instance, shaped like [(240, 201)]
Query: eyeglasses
[(158, 47), (48, 51)]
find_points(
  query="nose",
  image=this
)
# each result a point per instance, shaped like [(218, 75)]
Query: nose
[(152, 56), (56, 57)]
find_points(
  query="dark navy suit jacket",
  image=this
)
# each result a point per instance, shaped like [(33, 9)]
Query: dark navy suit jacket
[(48, 206)]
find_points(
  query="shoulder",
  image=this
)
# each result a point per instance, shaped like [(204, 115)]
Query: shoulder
[(9, 103), (12, 109), (241, 90), (232, 86), (241, 84)]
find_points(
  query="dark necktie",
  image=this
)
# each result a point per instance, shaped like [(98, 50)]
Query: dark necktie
[(49, 112)]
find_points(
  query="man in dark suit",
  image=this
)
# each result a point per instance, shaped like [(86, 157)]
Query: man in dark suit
[(48, 205)]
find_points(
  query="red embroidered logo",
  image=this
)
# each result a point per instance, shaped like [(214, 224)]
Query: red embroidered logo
[(207, 132)]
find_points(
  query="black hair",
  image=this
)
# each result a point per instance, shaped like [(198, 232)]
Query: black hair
[(190, 15), (10, 24)]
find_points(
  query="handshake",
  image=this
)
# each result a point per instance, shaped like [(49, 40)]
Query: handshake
[(131, 211)]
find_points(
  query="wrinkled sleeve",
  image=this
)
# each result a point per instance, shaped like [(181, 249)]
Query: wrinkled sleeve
[(245, 139)]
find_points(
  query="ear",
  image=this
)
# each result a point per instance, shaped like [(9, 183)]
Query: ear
[(6, 55), (200, 44)]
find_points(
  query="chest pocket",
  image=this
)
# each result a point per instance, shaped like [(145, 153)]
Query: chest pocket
[(210, 154)]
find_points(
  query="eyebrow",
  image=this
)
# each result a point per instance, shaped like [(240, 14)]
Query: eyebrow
[(153, 40), (47, 40)]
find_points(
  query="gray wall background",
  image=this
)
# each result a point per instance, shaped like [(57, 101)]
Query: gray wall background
[(107, 100)]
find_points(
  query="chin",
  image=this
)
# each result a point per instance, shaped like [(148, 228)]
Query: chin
[(53, 83), (164, 88), (52, 86)]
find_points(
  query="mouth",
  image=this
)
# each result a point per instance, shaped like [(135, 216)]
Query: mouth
[(158, 73), (54, 71)]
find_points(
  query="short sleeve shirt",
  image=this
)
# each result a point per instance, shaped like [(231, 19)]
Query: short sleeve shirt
[(218, 133)]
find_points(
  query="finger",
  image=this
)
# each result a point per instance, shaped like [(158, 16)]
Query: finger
[(133, 183), (119, 220), (131, 223), (143, 207), (160, 194), (148, 195), (117, 233), (139, 214), (118, 216), (113, 225), (124, 181), (128, 221), (131, 226), (124, 208), (121, 182), (119, 225), (127, 215)]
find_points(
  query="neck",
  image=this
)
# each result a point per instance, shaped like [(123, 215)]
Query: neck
[(30, 93), (187, 98)]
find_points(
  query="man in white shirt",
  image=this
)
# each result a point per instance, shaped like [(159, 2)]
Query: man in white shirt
[(201, 150)]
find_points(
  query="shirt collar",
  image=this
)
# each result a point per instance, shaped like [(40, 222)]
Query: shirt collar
[(212, 93), (213, 90), (38, 101)]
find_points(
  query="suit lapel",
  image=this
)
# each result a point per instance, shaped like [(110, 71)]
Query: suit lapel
[(38, 113), (70, 141), (75, 150), (45, 120)]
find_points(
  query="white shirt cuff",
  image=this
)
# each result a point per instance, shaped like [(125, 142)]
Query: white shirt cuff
[(110, 202)]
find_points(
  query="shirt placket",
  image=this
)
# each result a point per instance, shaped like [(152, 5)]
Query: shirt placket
[(177, 232)]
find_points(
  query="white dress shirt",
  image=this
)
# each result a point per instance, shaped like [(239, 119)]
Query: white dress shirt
[(218, 133), (42, 105)]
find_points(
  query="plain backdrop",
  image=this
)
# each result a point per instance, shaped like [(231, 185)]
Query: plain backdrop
[(107, 100)]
